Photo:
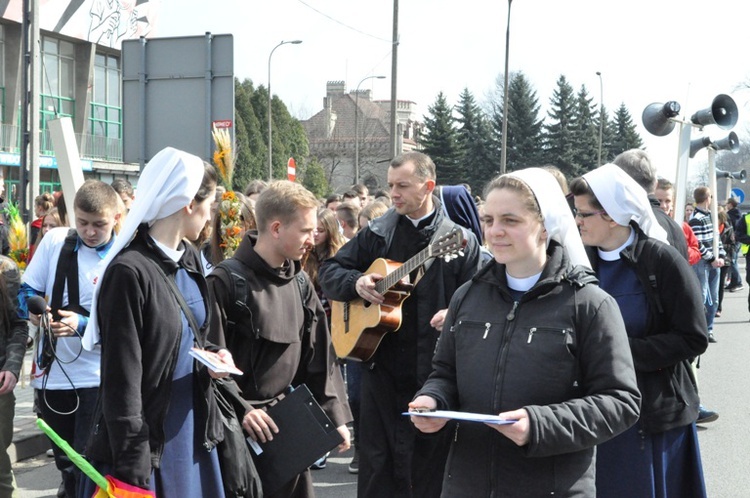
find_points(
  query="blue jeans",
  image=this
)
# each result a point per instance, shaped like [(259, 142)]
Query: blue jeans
[(708, 276), (734, 270)]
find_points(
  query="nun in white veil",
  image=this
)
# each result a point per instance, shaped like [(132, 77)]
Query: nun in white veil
[(532, 339), (153, 426), (662, 306)]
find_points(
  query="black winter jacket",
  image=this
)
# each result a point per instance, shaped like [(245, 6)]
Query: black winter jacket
[(676, 332), (561, 353), (141, 324)]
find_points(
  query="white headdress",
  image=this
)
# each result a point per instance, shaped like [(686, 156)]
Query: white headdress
[(558, 220), (167, 184), (624, 200)]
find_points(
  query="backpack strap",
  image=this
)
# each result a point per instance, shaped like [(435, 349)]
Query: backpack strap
[(67, 271)]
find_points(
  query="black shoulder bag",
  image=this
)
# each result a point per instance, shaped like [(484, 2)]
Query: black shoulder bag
[(238, 473)]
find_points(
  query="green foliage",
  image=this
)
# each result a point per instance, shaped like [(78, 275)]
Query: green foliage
[(440, 142), (524, 126), (251, 136), (559, 136), (625, 135), (474, 142), (585, 133), (314, 179)]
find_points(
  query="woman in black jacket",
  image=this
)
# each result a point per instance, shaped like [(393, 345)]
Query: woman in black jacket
[(155, 426), (533, 339), (662, 306)]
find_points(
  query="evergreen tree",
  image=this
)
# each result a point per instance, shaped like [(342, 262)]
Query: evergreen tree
[(559, 139), (585, 132), (608, 138), (474, 142), (440, 142), (314, 179), (625, 135), (524, 125), (250, 157)]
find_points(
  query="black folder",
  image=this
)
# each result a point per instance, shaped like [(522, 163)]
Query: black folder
[(305, 434)]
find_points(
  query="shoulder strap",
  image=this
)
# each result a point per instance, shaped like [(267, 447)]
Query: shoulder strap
[(67, 270), (180, 299), (304, 288)]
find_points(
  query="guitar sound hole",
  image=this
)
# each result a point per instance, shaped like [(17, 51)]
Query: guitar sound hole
[(367, 304)]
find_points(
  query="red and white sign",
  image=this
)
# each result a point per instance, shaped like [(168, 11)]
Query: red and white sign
[(223, 123), (291, 169)]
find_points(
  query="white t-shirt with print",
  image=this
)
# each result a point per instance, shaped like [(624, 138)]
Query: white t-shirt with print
[(82, 367)]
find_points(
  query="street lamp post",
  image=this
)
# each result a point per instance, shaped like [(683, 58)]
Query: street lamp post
[(503, 151), (356, 126), (601, 116), (270, 141)]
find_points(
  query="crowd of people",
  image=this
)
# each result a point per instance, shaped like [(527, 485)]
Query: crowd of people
[(576, 313)]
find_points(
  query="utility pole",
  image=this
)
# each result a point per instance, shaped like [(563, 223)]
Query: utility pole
[(394, 85)]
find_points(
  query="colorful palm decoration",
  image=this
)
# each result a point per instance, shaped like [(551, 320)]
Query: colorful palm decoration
[(17, 237)]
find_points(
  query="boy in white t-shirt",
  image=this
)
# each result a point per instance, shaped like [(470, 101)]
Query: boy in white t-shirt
[(63, 271)]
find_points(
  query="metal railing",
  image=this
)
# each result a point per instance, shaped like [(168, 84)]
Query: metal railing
[(89, 146)]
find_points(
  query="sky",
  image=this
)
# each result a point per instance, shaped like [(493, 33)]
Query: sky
[(647, 51)]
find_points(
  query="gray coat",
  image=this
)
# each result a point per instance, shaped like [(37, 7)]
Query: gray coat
[(561, 353)]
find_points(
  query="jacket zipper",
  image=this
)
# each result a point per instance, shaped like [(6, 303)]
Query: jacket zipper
[(501, 355), (534, 330)]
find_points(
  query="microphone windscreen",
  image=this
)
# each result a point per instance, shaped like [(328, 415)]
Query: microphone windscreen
[(37, 305)]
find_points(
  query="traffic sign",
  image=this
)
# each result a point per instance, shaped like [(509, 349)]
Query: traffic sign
[(738, 194), (291, 169)]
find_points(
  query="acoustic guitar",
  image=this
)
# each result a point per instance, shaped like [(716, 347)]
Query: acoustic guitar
[(358, 326)]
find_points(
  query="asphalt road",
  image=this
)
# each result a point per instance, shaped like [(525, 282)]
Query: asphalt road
[(724, 379)]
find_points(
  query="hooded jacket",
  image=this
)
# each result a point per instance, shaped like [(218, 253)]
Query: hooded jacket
[(271, 343), (561, 353)]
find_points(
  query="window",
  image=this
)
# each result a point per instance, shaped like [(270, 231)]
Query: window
[(58, 80), (106, 112)]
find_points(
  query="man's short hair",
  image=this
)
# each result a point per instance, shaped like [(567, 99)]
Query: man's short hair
[(360, 189), (701, 194), (636, 163), (349, 214), (664, 184), (733, 202), (424, 168), (350, 194), (122, 186), (255, 187), (282, 200), (95, 196), (332, 198)]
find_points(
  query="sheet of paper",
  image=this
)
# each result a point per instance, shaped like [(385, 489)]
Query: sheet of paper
[(471, 417), (213, 361)]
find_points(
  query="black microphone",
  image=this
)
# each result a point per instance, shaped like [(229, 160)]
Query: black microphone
[(37, 305)]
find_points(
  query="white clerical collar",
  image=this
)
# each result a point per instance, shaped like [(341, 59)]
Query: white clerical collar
[(614, 255), (417, 222), (173, 254), (522, 284)]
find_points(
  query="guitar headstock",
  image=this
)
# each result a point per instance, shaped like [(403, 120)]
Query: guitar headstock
[(449, 246)]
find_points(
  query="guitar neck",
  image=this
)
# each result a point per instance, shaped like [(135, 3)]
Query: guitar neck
[(395, 276)]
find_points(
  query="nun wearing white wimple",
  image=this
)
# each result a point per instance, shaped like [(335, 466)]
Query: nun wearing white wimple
[(662, 306), (152, 428), (532, 338)]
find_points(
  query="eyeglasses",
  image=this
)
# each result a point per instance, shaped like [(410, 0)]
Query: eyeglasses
[(581, 215)]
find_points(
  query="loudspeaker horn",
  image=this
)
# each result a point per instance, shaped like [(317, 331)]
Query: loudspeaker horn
[(656, 117), (698, 144), (723, 113), (731, 143), (737, 175)]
